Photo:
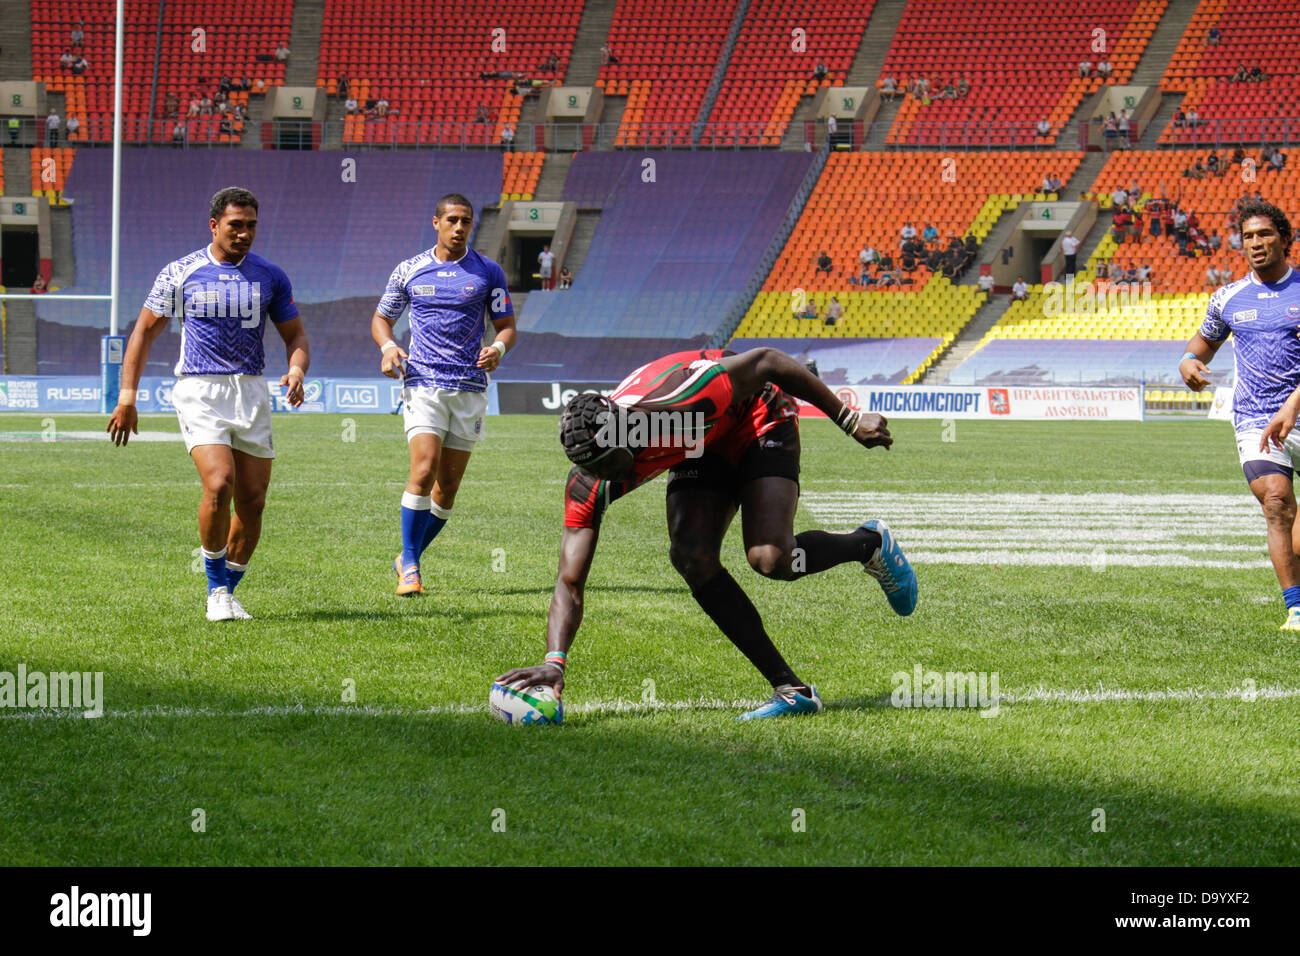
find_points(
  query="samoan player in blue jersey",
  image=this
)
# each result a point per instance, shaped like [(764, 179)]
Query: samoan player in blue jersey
[(451, 290), (1262, 312), (222, 294)]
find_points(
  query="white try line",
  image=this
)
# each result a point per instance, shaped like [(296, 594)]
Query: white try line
[(1038, 695)]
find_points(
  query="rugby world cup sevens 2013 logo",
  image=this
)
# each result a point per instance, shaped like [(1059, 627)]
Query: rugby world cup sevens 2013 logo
[(313, 390), (848, 397)]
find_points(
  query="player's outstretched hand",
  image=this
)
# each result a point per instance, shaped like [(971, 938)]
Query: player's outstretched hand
[(872, 431), (1278, 427), (548, 674), (122, 424), (1195, 373), (292, 380), (391, 364)]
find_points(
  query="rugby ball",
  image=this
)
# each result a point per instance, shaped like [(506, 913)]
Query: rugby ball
[(531, 705)]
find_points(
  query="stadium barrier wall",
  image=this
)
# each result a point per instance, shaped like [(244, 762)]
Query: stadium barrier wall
[(81, 393), (1040, 403)]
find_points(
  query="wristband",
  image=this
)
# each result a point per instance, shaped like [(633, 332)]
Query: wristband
[(390, 344), (558, 659), (848, 419), (299, 370), (1188, 355), (500, 347), (126, 396)]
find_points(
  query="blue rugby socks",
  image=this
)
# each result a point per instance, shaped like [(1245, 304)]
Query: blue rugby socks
[(214, 562), (415, 525), (1292, 596), (437, 518), (234, 572)]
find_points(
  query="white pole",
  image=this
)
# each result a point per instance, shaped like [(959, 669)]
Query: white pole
[(117, 169)]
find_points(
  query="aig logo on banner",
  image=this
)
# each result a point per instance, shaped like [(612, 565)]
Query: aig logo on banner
[(357, 398)]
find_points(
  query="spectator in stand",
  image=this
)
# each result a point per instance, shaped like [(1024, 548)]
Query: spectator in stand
[(1110, 131), (341, 86), (481, 114), (868, 255), (824, 262), (566, 278), (52, 124), (1104, 69), (351, 105), (67, 59), (832, 126), (889, 88), (1265, 154), (810, 311), (1212, 38), (282, 53), (1277, 161), (1020, 291), (40, 285), (1191, 118), (1214, 241), (986, 282), (546, 266), (223, 86), (1070, 244), (381, 106), (934, 259), (259, 85), (1257, 75), (78, 34), (886, 278), (178, 135), (1234, 239), (1212, 164), (171, 106), (607, 58), (907, 233), (820, 71), (1194, 171), (833, 311), (1180, 118), (72, 125), (1044, 128), (1123, 224), (1125, 130), (1085, 68), (930, 234), (205, 105), (963, 87), (80, 65), (508, 138), (1213, 278), (550, 64), (1180, 223), (1119, 198), (909, 261), (195, 105), (1238, 156)]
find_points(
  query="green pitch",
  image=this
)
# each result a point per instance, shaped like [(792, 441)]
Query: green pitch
[(1143, 689)]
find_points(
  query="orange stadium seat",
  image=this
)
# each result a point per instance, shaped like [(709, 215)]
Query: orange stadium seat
[(1020, 60), (772, 67), (428, 63), (201, 43)]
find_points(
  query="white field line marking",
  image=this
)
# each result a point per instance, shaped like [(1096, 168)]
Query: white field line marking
[(1037, 695), (1063, 530), (85, 436)]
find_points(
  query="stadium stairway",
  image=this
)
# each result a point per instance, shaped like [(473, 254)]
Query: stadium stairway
[(984, 319), (720, 69), (885, 18), (593, 28), (17, 171), (63, 262), (20, 336), (803, 113), (1160, 48), (583, 230), (304, 43), (16, 40), (1168, 106)]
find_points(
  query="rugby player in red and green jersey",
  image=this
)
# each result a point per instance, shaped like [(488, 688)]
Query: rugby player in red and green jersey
[(725, 427)]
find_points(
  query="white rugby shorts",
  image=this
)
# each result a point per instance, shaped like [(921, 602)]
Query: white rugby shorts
[(455, 417), (232, 410), (1287, 457)]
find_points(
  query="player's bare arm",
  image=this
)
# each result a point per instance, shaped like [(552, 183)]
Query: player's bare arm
[(1194, 367), (393, 355), (490, 357), (577, 548), (124, 422), (1282, 423), (295, 349), (750, 371)]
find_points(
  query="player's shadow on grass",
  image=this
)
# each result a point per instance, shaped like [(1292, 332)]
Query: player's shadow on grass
[(600, 588), (416, 612)]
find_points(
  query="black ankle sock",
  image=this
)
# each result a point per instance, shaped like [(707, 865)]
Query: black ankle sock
[(821, 550), (722, 599)]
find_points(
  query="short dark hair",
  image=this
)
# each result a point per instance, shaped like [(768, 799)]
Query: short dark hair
[(453, 199), (230, 196), (1260, 207)]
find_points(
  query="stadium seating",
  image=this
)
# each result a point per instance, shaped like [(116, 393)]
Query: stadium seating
[(48, 180), (337, 241), (520, 174), (843, 361), (201, 42), (865, 198), (667, 51), (765, 77), (1264, 34), (428, 63), (1159, 174), (1021, 62)]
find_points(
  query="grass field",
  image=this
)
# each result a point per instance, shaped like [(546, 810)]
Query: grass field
[(1127, 630)]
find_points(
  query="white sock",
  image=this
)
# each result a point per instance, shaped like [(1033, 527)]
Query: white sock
[(416, 502)]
